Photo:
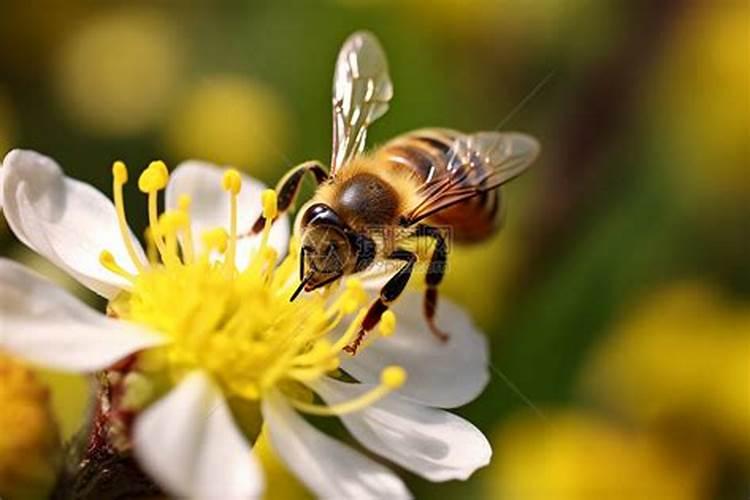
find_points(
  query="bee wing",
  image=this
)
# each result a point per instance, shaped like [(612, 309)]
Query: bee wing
[(476, 163), (362, 89)]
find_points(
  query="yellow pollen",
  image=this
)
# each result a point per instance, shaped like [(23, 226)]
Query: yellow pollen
[(172, 221), (393, 377), (169, 224), (387, 324), (154, 178), (270, 209), (232, 181), (120, 172), (237, 325), (215, 239)]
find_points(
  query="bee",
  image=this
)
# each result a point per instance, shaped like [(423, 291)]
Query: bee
[(422, 184)]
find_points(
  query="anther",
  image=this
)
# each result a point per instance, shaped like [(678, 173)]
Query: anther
[(172, 221), (387, 324), (161, 170), (107, 260), (120, 172), (154, 178), (393, 377), (232, 181), (270, 208), (215, 239)]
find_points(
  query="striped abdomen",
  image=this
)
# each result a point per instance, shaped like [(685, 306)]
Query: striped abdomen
[(426, 155)]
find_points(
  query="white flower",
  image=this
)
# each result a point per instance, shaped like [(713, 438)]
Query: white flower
[(215, 322)]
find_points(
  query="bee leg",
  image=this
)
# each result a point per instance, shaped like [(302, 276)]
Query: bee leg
[(435, 273), (288, 188), (390, 292)]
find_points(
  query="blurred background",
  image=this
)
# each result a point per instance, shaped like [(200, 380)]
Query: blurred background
[(616, 299)]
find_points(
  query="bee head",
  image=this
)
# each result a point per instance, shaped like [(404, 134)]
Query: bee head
[(327, 251)]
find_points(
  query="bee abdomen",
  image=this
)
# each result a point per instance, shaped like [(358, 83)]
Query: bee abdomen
[(423, 155), (426, 154)]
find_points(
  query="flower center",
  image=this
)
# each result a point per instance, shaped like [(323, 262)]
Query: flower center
[(239, 326)]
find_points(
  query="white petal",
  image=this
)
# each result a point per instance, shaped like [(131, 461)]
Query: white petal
[(330, 469), (443, 374), (210, 206), (189, 444), (433, 443), (46, 325), (65, 220)]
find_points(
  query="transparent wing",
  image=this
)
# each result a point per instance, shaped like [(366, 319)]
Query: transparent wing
[(362, 89), (476, 163)]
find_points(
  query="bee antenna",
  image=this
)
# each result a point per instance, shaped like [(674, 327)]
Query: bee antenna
[(300, 287)]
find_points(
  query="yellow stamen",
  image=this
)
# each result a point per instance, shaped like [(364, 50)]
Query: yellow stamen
[(313, 373), (120, 177), (387, 324), (151, 181), (269, 256), (270, 208), (188, 249), (154, 178), (151, 252), (215, 239), (236, 325), (352, 298), (319, 351), (391, 378), (232, 183), (169, 224), (270, 211), (107, 260)]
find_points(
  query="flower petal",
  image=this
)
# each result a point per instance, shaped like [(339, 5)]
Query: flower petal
[(329, 468), (433, 443), (65, 220), (44, 324), (190, 445), (210, 206), (442, 374)]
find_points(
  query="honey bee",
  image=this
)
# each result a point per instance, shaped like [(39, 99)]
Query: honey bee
[(418, 185)]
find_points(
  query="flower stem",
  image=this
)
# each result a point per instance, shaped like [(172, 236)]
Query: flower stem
[(96, 466)]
